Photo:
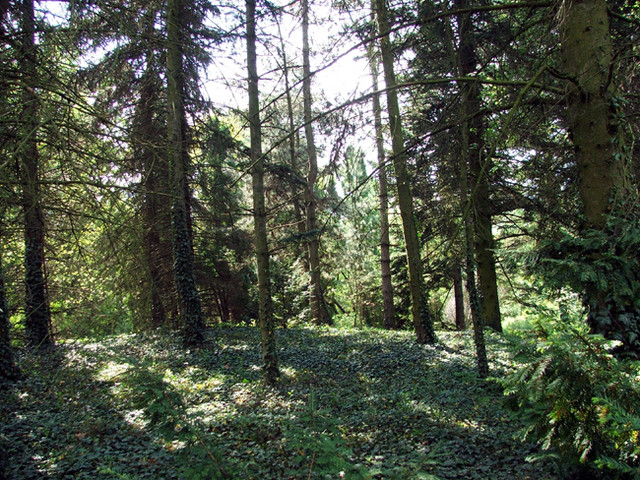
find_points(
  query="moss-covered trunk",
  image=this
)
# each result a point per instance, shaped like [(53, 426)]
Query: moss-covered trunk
[(587, 56)]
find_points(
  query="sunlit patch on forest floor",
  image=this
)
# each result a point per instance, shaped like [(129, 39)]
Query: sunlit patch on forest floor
[(350, 404)]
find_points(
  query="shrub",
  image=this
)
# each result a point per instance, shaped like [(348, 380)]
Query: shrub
[(578, 400)]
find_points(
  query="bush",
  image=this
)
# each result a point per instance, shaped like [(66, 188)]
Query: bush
[(578, 400)]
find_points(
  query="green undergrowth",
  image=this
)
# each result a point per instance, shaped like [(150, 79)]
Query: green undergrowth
[(350, 404)]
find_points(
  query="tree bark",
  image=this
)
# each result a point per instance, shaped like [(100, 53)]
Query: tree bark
[(459, 299), (156, 213), (479, 168), (8, 369), (420, 312), (319, 311), (603, 165), (470, 265), (302, 251), (193, 321), (266, 320), (587, 56), (389, 317), (37, 311)]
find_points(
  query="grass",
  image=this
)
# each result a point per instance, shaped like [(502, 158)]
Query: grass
[(350, 404)]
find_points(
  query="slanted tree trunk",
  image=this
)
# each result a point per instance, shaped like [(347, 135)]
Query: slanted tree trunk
[(37, 311), (266, 321), (422, 318), (479, 168), (193, 321), (389, 317), (319, 311), (8, 369)]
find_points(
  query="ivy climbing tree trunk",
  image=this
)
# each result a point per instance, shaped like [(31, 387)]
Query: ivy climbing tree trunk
[(420, 312), (479, 167), (389, 317), (37, 311), (319, 311), (193, 321), (266, 320), (156, 213)]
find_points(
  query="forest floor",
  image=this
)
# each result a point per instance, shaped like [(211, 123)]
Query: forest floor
[(350, 404)]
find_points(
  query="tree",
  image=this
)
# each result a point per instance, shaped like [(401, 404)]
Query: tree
[(389, 317), (8, 369), (420, 312), (587, 56), (479, 164), (319, 311), (266, 320), (609, 203), (37, 311), (179, 160), (149, 154)]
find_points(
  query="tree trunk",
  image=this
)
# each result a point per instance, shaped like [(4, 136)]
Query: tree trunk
[(459, 298), (603, 170), (389, 317), (179, 159), (156, 215), (470, 265), (479, 168), (319, 311), (587, 52), (302, 251), (422, 318), (266, 321), (37, 312), (8, 369)]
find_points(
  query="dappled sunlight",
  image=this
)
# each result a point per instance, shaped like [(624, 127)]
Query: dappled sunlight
[(357, 402), (111, 371)]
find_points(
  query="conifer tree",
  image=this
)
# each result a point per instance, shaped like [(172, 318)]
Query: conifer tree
[(193, 321), (265, 320), (420, 310)]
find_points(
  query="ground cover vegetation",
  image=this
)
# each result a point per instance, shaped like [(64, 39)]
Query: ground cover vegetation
[(370, 404), (447, 191)]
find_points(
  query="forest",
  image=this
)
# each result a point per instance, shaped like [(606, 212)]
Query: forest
[(320, 239)]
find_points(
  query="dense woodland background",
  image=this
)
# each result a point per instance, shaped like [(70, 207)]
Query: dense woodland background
[(484, 179)]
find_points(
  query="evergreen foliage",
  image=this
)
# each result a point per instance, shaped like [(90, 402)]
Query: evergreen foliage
[(578, 399), (603, 267)]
